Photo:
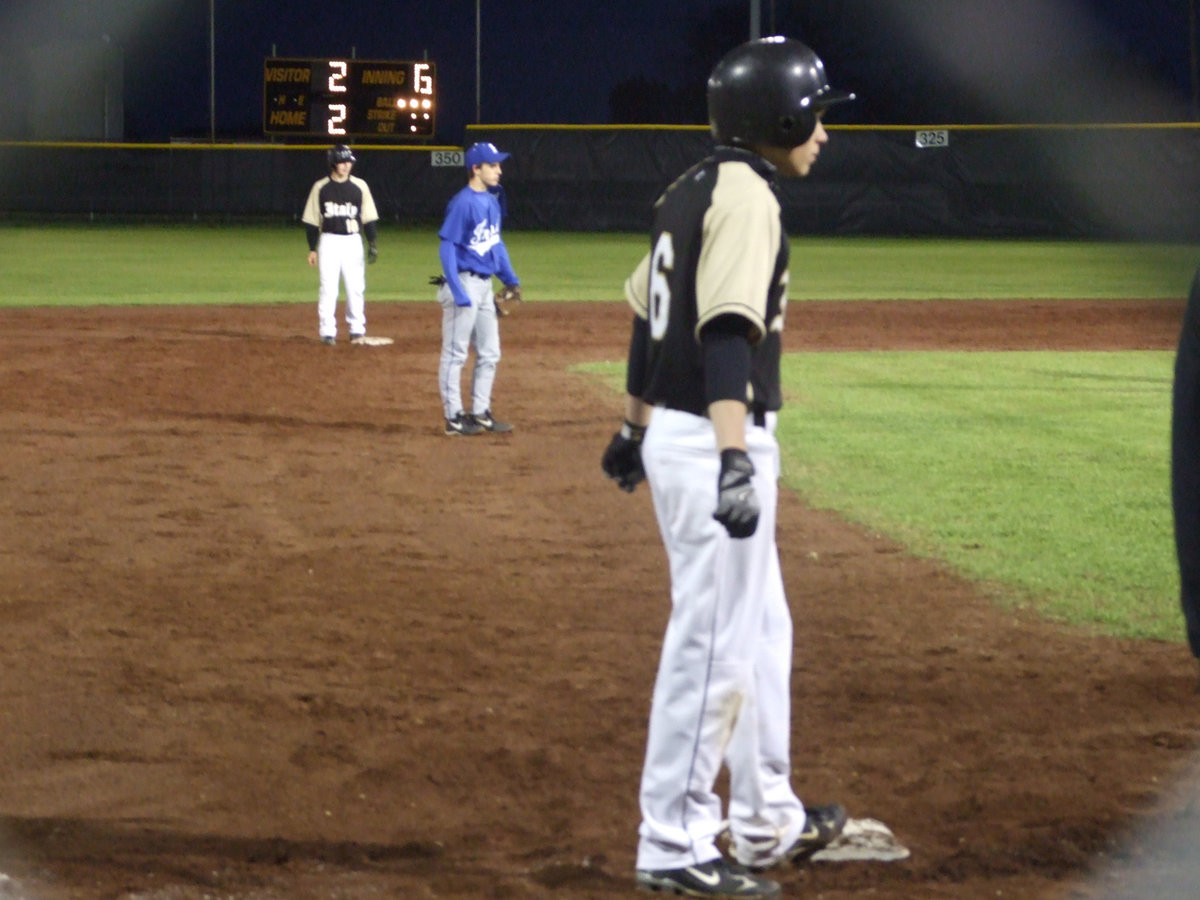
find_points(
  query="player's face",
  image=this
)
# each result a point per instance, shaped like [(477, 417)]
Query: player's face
[(342, 170), (798, 162), (489, 173), (803, 158)]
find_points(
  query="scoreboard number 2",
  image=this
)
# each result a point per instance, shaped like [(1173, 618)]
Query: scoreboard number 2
[(337, 76), (337, 117)]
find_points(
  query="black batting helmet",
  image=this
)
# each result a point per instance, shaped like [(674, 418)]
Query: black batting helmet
[(769, 92), (339, 154)]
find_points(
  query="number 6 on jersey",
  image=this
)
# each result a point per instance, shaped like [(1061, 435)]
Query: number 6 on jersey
[(661, 262)]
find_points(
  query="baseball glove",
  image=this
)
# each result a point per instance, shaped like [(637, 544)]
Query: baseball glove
[(507, 300)]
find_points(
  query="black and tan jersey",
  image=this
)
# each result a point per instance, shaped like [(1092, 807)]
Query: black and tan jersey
[(340, 207), (717, 248)]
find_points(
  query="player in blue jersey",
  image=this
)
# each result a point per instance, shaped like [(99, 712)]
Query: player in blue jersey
[(472, 253)]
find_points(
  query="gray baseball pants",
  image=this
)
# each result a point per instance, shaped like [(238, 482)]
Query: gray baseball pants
[(464, 328)]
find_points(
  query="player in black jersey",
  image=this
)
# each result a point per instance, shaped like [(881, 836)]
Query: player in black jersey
[(339, 212), (703, 390), (1185, 464)]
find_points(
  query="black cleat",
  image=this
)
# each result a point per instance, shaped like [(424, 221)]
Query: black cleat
[(485, 421), (462, 424), (716, 878), (821, 827)]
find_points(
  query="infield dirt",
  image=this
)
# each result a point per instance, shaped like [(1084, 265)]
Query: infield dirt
[(265, 632)]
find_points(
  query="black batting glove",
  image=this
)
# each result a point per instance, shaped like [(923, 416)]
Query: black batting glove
[(737, 503), (372, 253), (622, 460)]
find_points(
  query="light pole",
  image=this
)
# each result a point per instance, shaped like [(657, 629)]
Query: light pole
[(212, 72), (1195, 68), (478, 82)]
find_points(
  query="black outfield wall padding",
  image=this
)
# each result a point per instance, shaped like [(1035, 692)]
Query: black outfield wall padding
[(1119, 182), (200, 181), (1100, 182)]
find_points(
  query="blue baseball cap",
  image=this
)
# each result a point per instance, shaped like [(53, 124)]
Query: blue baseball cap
[(483, 152)]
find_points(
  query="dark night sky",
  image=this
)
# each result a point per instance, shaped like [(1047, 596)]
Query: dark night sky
[(550, 61)]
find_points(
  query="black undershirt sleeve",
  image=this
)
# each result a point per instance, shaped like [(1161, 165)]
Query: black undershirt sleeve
[(725, 346), (635, 370), (314, 235), (370, 231)]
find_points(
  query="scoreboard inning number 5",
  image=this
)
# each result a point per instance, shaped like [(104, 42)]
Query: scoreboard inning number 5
[(349, 97)]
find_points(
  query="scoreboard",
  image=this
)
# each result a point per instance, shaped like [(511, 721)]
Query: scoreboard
[(338, 98)]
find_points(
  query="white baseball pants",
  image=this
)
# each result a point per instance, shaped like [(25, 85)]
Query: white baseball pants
[(340, 257), (722, 694)]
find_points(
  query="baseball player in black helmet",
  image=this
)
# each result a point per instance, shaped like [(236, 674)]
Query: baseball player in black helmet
[(339, 212), (338, 154), (769, 93), (703, 389)]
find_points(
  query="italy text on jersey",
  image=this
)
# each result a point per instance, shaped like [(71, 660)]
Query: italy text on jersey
[(340, 210)]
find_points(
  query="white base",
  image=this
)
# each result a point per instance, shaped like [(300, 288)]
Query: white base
[(863, 840)]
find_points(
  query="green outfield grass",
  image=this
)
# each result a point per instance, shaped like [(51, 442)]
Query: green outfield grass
[(1043, 476), (79, 264)]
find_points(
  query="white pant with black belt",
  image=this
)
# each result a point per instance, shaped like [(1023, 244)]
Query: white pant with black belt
[(464, 327), (722, 694)]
